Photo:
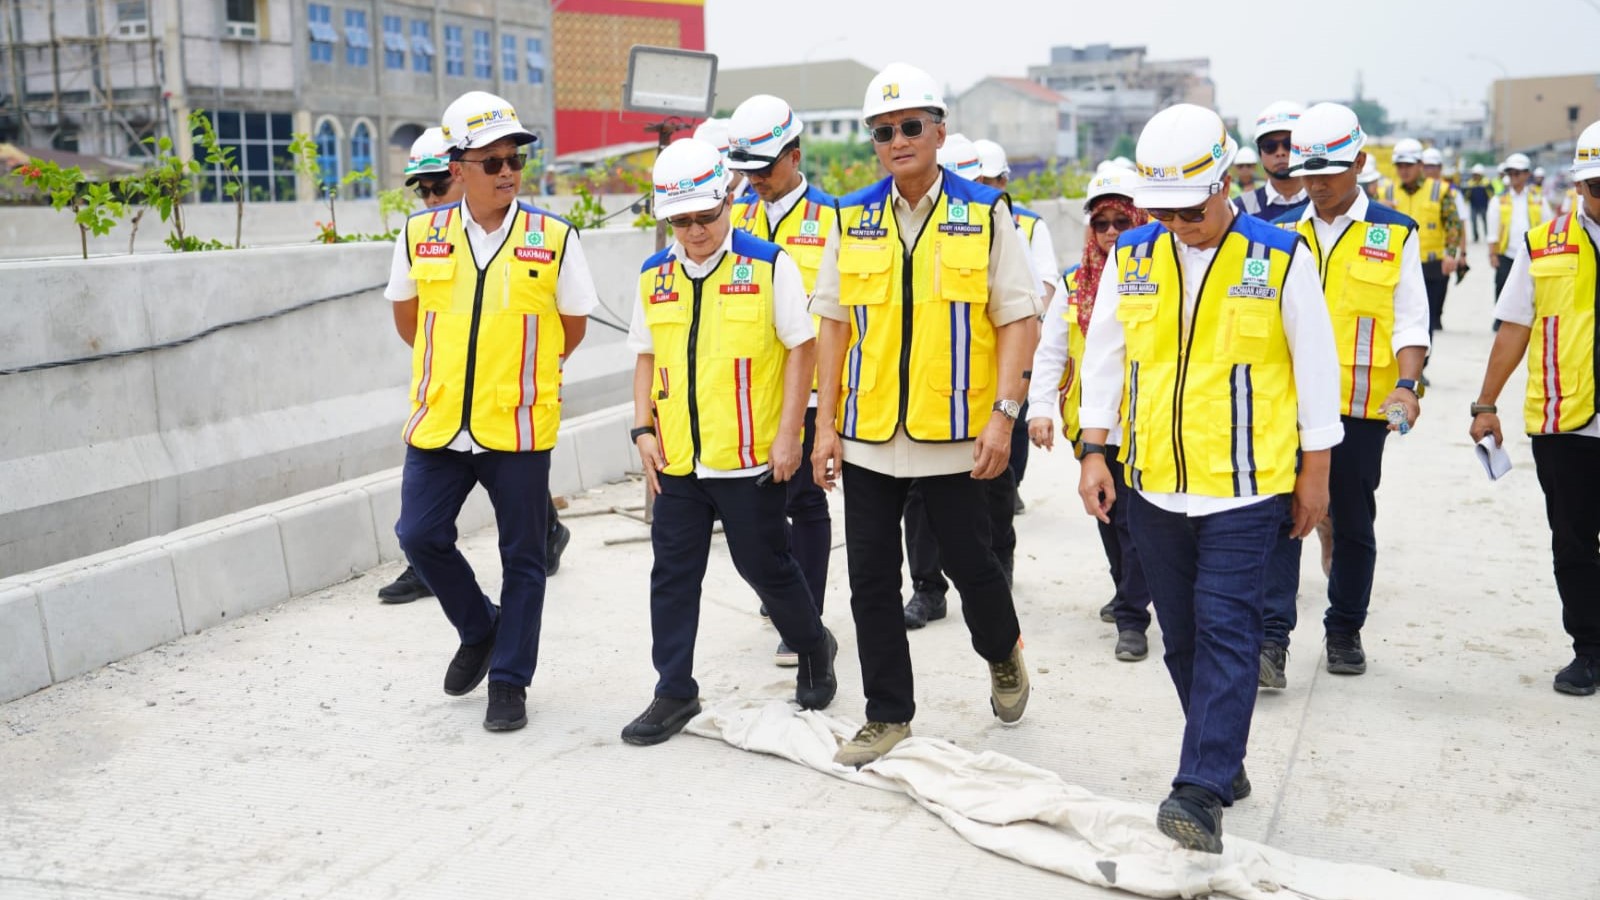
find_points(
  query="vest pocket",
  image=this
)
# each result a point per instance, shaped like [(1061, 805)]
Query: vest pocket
[(1369, 289), (1138, 317), (1244, 334), (864, 273), (1555, 280), (435, 290), (961, 270), (744, 331)]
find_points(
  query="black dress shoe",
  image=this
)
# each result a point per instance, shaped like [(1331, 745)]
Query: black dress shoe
[(555, 544), (1579, 677), (508, 709), (1192, 816), (405, 588), (470, 665), (925, 607), (815, 683), (663, 718)]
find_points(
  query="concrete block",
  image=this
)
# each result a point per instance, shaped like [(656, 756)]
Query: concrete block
[(24, 661), (603, 451), (107, 610), (227, 572), (327, 540), (564, 477), (383, 495)]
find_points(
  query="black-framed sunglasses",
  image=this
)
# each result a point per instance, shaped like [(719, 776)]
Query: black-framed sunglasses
[(911, 128), (1592, 186), (1192, 215), (1120, 223), (1272, 145), (704, 219), (424, 189), (493, 164)]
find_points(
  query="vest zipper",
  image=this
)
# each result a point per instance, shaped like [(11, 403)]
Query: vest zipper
[(694, 345), (1185, 348), (472, 353), (907, 307)]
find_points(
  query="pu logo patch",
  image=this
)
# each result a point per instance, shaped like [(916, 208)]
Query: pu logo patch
[(1136, 276), (662, 291), (891, 92)]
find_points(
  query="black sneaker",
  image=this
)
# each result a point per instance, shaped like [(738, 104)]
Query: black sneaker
[(469, 666), (925, 607), (1132, 645), (764, 613), (815, 683), (1192, 816), (1579, 677), (1273, 659), (1017, 506), (405, 588), (1241, 785), (1345, 656), (1108, 613), (663, 718), (555, 543), (508, 709)]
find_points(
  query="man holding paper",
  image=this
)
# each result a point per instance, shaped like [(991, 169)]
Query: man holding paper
[(1547, 312)]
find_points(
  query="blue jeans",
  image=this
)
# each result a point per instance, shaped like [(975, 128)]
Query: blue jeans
[(433, 485), (1207, 577)]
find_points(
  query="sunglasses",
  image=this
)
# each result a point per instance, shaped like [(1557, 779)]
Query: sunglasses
[(911, 128), (702, 219), (425, 190), (1272, 145), (1120, 223), (747, 156), (1592, 186), (493, 164), (1191, 215)]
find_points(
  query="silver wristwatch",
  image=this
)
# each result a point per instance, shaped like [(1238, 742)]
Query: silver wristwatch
[(1008, 408)]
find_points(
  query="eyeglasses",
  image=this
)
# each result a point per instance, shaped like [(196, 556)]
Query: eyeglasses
[(1120, 223), (911, 128), (1272, 145), (702, 219), (492, 164), (424, 190), (1191, 215), (1592, 186)]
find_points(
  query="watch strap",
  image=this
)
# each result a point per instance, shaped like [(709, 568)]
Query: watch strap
[(642, 430), (1085, 448), (1479, 409)]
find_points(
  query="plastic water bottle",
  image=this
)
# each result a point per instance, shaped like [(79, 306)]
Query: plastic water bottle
[(1397, 417)]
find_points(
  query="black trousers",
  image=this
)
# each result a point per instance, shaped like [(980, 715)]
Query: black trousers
[(1131, 603), (1020, 445), (873, 506), (1567, 466), (1501, 272), (922, 549), (1436, 282), (758, 540), (810, 525)]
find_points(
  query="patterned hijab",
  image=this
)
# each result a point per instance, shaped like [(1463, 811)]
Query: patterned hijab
[(1094, 259)]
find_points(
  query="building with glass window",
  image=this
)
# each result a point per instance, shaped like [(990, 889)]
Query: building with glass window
[(362, 78)]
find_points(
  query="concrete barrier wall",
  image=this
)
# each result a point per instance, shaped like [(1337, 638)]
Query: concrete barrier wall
[(60, 622)]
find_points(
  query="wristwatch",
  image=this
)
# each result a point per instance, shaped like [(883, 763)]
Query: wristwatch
[(1411, 385), (640, 432), (1085, 448), (1479, 409), (1008, 408)]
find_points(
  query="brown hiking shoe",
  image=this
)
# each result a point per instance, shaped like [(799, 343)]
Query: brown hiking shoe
[(1008, 687), (872, 741)]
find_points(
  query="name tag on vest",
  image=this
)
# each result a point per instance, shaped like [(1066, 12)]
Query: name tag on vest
[(1136, 287), (669, 297), (1259, 292), (1553, 250), (739, 289), (1377, 253), (807, 240), (957, 228), (867, 232), (432, 250), (535, 254)]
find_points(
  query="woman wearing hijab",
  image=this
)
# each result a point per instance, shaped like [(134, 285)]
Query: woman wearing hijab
[(1054, 400)]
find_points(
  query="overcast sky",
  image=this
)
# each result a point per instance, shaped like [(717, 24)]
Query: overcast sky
[(1410, 60)]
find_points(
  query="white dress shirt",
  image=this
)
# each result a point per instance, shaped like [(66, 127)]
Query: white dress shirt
[(1276, 199), (1049, 360), (1518, 228), (789, 319), (776, 211), (1306, 326), (575, 291), (1410, 295), (1041, 249), (1516, 298)]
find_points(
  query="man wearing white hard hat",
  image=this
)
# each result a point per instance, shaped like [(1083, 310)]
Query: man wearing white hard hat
[(1519, 208), (1478, 191), (1547, 314), (1244, 172), (725, 355), (1281, 195), (782, 207), (716, 133), (1214, 338), (1055, 390), (929, 308), (1369, 257), (1431, 203), (502, 292), (1538, 177)]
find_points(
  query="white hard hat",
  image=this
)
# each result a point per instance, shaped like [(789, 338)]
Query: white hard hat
[(1326, 139), (1518, 161), (1110, 182), (1122, 162), (1407, 150), (1246, 157), (1586, 155), (430, 155), (1184, 152), (1279, 116), (1432, 157), (715, 133), (688, 177), (992, 162), (1369, 171), (479, 118), (901, 86), (759, 130), (960, 156), (1477, 169), (1538, 172)]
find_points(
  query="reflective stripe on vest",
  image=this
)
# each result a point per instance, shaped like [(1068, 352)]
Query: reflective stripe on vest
[(1426, 208), (927, 364), (487, 355), (1069, 391), (1561, 349), (1535, 199), (1212, 413), (718, 383), (1359, 281)]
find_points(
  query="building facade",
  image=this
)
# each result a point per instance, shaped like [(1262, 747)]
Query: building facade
[(1535, 114), (1033, 123)]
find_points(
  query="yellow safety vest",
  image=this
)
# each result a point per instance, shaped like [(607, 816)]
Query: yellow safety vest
[(1426, 209), (1213, 412), (1359, 281), (718, 383), (922, 350), (1561, 349), (802, 232), (1535, 216), (1070, 389), (1027, 220), (487, 354)]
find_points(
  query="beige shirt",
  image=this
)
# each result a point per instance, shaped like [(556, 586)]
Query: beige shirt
[(1013, 295)]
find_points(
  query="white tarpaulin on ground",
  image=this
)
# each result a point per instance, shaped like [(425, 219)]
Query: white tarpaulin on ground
[(1031, 815)]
